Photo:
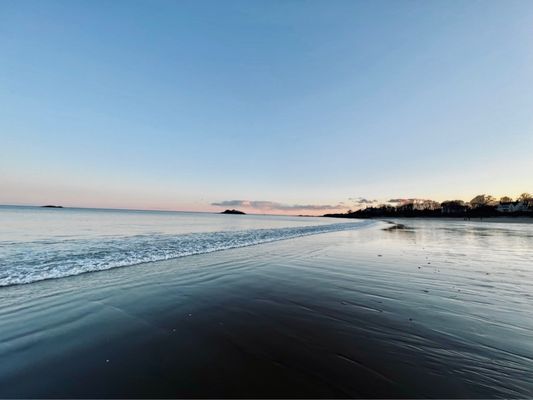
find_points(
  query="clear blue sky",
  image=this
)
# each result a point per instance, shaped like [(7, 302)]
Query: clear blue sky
[(178, 105)]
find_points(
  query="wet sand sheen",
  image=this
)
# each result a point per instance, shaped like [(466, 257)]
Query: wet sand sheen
[(438, 309)]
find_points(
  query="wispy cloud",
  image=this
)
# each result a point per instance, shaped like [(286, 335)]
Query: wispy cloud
[(362, 200), (405, 201), (273, 206)]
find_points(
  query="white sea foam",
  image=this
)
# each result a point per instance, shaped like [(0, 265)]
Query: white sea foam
[(22, 263)]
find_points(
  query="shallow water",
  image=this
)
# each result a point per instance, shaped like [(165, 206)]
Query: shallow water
[(41, 243), (439, 309)]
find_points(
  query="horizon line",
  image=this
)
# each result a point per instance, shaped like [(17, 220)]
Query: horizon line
[(148, 209)]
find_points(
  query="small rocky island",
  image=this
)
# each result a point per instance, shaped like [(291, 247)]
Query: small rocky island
[(233, 212), (51, 206)]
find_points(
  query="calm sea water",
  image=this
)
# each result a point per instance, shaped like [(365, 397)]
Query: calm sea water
[(43, 243)]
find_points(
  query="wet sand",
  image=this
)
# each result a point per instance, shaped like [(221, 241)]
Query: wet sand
[(437, 309)]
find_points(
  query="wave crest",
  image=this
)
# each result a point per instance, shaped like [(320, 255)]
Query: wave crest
[(37, 261)]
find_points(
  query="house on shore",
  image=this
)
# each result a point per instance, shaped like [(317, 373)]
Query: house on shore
[(515, 206)]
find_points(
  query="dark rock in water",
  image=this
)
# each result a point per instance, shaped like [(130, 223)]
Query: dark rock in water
[(233, 212), (51, 206)]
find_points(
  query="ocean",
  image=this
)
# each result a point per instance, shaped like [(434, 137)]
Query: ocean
[(39, 243), (207, 305)]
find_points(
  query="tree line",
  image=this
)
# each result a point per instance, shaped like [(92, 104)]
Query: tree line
[(480, 206)]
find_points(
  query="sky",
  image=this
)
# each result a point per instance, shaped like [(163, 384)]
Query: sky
[(295, 107)]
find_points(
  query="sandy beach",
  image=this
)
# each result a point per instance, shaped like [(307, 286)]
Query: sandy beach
[(438, 309)]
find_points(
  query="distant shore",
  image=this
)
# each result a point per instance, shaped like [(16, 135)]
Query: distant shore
[(516, 220), (482, 213)]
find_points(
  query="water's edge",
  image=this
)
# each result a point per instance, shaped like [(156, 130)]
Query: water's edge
[(53, 259)]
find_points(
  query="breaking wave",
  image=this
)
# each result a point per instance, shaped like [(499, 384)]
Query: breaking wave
[(22, 263)]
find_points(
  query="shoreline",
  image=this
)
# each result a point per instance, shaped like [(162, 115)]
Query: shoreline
[(143, 251)]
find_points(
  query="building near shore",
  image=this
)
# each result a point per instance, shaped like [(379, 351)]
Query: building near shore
[(515, 206)]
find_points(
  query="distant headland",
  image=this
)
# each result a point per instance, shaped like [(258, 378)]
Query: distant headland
[(481, 206), (51, 206), (233, 212)]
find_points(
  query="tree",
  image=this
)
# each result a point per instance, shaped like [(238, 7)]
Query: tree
[(482, 200), (430, 205), (525, 197), (505, 199), (453, 203)]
